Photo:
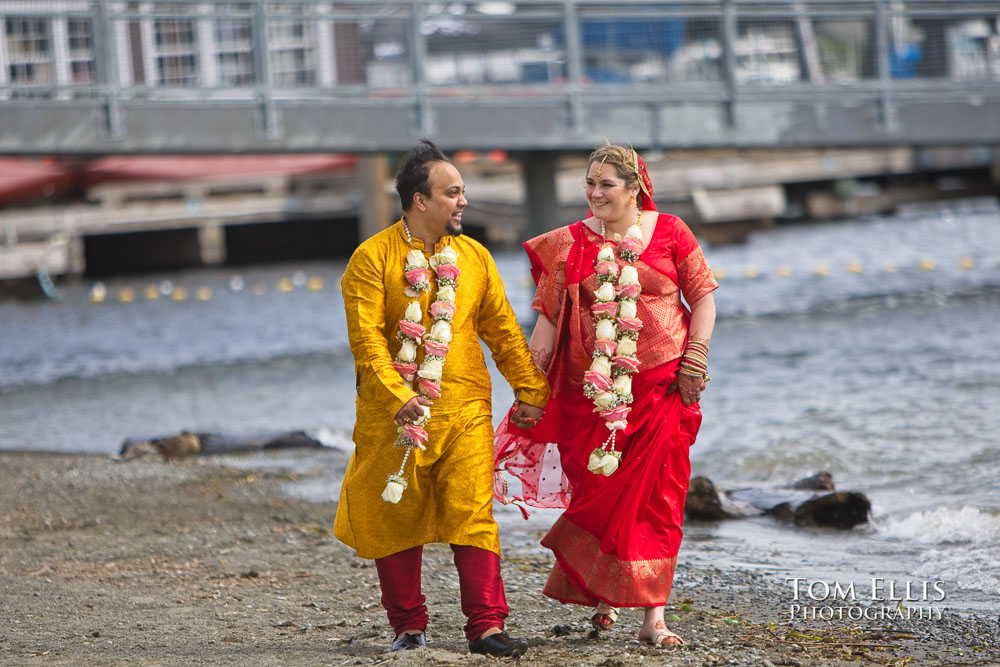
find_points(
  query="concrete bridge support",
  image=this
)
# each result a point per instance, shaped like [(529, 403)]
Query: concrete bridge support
[(212, 243), (377, 211), (538, 170)]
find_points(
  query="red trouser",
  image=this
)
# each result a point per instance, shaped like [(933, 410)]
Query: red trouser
[(483, 600)]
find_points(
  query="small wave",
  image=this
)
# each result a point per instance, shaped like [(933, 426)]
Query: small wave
[(743, 306), (945, 525), (973, 569), (14, 378), (334, 439)]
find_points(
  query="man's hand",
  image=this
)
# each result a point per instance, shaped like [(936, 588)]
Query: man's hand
[(412, 411), (526, 416)]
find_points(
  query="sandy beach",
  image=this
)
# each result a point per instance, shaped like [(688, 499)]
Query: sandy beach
[(193, 563)]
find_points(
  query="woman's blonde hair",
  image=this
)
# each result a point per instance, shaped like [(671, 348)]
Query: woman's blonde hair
[(623, 158)]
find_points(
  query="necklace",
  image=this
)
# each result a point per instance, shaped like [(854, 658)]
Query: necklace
[(412, 334), (608, 382)]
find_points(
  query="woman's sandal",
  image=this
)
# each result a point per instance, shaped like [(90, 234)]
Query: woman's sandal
[(604, 618), (660, 636)]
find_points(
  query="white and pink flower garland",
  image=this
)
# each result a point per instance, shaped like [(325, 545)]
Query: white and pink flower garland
[(608, 382), (412, 334)]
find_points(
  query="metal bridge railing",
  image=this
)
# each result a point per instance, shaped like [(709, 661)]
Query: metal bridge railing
[(417, 51)]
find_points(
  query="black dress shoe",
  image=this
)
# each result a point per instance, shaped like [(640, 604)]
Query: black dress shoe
[(499, 645), (406, 642)]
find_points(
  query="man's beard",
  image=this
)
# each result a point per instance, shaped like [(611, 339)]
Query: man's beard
[(454, 228)]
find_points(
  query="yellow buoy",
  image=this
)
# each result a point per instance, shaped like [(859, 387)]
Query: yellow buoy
[(855, 267), (890, 268), (719, 274), (203, 293), (284, 285), (966, 263), (821, 270), (926, 264), (751, 272), (126, 295), (98, 292), (785, 271), (179, 294), (315, 284), (152, 292)]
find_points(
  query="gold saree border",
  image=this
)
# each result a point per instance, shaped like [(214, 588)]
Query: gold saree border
[(585, 575)]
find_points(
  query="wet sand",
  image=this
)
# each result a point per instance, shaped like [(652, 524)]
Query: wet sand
[(193, 563)]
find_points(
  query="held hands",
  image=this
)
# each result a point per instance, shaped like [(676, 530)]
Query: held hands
[(526, 416), (690, 388), (412, 411)]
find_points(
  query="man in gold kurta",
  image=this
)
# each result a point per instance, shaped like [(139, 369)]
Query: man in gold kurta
[(450, 483)]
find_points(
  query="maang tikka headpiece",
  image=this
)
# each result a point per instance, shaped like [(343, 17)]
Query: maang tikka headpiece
[(600, 167)]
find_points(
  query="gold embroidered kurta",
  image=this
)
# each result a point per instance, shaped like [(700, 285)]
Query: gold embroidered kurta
[(450, 494)]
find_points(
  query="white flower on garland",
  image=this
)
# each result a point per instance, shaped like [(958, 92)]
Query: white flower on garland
[(606, 292), (441, 332), (407, 352), (394, 488), (625, 347), (607, 329), (432, 368)]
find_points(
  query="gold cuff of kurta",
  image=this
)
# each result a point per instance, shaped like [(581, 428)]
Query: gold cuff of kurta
[(535, 398)]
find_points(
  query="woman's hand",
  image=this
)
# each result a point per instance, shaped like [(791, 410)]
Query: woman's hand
[(690, 388)]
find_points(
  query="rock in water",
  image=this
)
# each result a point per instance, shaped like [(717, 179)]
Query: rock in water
[(801, 503), (180, 446)]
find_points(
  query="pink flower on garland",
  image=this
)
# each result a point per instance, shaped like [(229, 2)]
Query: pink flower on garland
[(411, 329), (429, 388), (631, 244), (439, 308), (605, 346), (435, 348), (626, 362), (616, 414), (600, 381), (609, 308), (448, 271), (629, 323), (605, 268), (418, 434), (405, 369), (414, 276), (628, 291)]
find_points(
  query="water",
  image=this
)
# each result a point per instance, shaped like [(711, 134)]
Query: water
[(866, 348)]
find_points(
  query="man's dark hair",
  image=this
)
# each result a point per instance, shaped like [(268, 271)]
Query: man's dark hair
[(413, 173)]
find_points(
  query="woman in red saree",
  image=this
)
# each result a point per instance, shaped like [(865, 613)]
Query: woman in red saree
[(616, 544)]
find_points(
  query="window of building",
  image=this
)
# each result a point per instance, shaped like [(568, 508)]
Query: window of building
[(234, 48), (177, 70), (81, 51), (293, 52), (81, 71), (29, 51), (176, 52)]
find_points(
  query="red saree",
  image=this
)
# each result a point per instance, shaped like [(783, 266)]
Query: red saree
[(618, 539)]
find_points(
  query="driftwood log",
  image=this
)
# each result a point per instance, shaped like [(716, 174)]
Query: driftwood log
[(812, 501), (187, 443)]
